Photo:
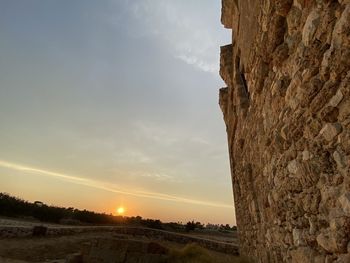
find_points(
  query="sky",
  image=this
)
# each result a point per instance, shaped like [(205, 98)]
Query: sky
[(115, 103)]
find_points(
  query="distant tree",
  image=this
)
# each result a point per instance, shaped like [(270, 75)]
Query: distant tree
[(174, 226), (190, 226), (198, 225), (151, 223)]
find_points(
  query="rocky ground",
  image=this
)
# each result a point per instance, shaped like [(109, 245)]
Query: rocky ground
[(110, 245)]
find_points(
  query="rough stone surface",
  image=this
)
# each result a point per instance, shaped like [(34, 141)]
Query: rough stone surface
[(331, 241), (336, 99), (303, 254), (286, 106), (330, 130), (345, 203), (310, 26)]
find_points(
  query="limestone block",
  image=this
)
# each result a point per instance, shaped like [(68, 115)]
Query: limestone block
[(292, 90), (339, 36), (336, 99), (227, 13), (226, 64), (313, 128), (330, 130), (332, 242), (298, 237), (303, 254), (320, 259), (223, 99), (329, 196), (306, 155), (338, 223), (293, 167), (310, 27), (340, 159), (326, 61), (345, 203), (343, 258), (293, 20), (344, 110), (298, 3), (313, 225)]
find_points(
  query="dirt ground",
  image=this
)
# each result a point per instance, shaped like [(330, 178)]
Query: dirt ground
[(216, 236), (46, 248), (56, 249)]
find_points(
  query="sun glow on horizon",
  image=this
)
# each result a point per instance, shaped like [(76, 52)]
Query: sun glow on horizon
[(120, 210)]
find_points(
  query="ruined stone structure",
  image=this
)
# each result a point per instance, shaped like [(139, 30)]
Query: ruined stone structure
[(287, 112)]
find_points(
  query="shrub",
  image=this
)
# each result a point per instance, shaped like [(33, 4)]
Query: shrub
[(191, 253)]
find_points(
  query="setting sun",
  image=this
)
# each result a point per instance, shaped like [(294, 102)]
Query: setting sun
[(120, 210)]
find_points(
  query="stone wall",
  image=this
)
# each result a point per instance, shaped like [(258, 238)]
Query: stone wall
[(287, 112)]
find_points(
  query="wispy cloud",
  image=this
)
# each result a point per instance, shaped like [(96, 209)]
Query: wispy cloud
[(155, 133), (132, 156), (203, 65), (158, 176), (108, 187), (201, 141), (189, 37)]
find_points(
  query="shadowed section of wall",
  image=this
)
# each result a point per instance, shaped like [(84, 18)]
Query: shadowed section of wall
[(287, 112)]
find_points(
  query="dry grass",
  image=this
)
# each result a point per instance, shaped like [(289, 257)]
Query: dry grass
[(193, 253)]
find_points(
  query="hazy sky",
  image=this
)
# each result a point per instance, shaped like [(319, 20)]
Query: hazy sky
[(115, 102)]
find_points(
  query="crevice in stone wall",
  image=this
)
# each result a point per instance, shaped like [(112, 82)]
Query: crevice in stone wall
[(244, 83), (240, 71), (240, 84)]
